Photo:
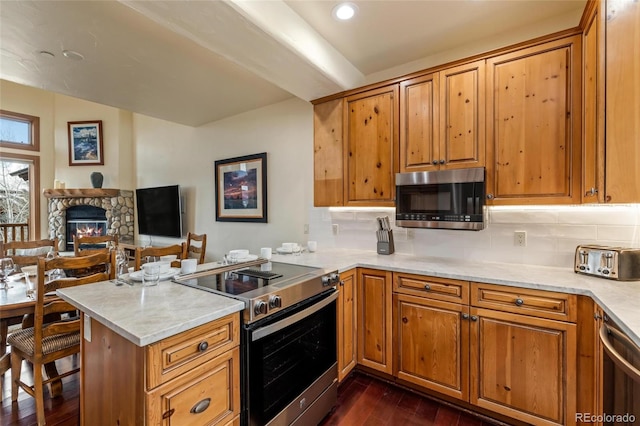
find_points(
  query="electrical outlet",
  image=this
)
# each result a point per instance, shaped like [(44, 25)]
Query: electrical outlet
[(520, 238), (335, 228), (306, 228)]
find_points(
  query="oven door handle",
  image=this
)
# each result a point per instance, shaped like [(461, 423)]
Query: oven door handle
[(261, 332), (616, 357)]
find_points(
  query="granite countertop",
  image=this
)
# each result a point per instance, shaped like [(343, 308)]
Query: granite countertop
[(145, 315), (619, 299)]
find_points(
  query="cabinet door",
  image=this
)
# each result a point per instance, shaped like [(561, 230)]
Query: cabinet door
[(462, 117), (593, 146), (523, 367), (432, 344), (419, 124), (534, 132), (623, 102), (374, 319), (371, 142), (208, 394), (328, 172), (347, 324)]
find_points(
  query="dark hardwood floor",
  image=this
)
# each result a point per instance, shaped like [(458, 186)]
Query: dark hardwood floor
[(60, 411), (362, 400)]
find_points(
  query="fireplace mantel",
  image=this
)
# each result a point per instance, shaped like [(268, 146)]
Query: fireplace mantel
[(80, 193)]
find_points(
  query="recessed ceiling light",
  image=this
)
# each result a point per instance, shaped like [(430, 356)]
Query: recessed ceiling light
[(70, 54), (344, 11)]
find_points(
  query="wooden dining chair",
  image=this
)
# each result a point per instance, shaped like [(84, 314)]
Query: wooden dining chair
[(57, 337), (142, 252), (26, 253), (199, 249), (85, 245)]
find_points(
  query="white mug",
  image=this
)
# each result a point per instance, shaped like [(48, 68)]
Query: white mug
[(312, 246), (188, 266), (265, 252)]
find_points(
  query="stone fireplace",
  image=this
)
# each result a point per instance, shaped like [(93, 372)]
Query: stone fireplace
[(117, 205)]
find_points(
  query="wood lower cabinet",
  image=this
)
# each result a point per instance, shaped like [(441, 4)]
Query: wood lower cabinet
[(346, 321), (431, 344), (509, 350), (534, 124), (192, 378), (523, 367), (375, 319)]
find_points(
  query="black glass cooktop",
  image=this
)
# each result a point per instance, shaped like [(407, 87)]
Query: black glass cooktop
[(248, 280)]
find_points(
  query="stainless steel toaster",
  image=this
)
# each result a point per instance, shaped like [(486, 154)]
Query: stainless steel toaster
[(616, 263)]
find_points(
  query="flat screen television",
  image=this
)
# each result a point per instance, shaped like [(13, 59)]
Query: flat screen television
[(160, 211)]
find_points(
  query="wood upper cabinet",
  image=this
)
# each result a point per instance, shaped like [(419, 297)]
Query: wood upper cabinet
[(346, 321), (534, 124), (594, 113), (375, 319), (371, 143), (442, 119), (622, 139), (328, 170)]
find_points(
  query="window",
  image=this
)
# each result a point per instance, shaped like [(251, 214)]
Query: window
[(19, 131), (19, 177)]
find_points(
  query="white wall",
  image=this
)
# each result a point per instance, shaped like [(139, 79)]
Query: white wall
[(167, 153)]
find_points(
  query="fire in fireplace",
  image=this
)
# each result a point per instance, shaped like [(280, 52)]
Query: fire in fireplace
[(85, 220)]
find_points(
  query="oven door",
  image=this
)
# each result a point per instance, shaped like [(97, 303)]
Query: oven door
[(620, 376), (289, 364)]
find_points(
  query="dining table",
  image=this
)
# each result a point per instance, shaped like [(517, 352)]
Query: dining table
[(17, 307)]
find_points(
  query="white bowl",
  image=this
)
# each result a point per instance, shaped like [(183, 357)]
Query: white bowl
[(238, 254), (164, 266)]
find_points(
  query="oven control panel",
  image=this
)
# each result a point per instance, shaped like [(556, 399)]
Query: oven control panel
[(287, 296)]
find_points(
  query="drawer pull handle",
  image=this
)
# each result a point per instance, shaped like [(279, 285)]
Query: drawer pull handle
[(519, 302), (203, 346), (201, 406), (474, 318), (168, 414), (465, 316), (427, 287)]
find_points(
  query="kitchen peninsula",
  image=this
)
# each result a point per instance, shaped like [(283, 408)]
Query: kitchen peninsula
[(160, 325)]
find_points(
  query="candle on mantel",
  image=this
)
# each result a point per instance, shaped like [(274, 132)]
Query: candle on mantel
[(56, 184)]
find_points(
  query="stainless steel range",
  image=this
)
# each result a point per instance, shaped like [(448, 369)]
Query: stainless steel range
[(288, 342)]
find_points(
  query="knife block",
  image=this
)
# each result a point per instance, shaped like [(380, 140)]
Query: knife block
[(386, 247)]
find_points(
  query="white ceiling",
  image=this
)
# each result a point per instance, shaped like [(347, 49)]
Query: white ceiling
[(193, 62)]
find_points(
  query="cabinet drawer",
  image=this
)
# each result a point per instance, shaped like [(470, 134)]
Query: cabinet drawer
[(431, 287), (539, 303), (178, 354), (207, 395)]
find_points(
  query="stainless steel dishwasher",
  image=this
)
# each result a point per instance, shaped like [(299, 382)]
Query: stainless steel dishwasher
[(620, 376)]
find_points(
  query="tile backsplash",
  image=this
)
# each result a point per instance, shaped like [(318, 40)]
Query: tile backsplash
[(553, 232)]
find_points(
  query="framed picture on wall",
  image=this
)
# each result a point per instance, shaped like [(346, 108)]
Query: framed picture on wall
[(241, 189), (85, 143)]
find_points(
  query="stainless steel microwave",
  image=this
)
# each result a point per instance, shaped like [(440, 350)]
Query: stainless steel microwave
[(450, 199)]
